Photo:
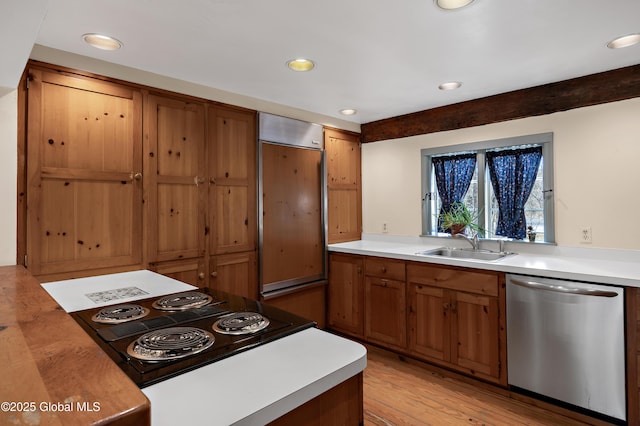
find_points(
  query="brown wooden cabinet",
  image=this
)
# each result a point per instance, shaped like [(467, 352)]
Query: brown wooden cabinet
[(201, 195), (455, 319), (307, 301), (190, 271), (84, 165), (232, 175), (234, 273), (452, 317), (124, 177), (175, 182), (231, 216), (385, 302), (346, 293), (367, 298), (344, 185)]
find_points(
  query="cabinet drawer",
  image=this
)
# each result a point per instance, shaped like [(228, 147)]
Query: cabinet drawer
[(471, 281), (385, 268)]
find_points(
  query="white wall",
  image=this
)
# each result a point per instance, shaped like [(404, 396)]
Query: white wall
[(596, 166), (8, 176)]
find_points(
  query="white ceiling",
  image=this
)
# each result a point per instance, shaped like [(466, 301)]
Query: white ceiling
[(19, 24), (383, 57)]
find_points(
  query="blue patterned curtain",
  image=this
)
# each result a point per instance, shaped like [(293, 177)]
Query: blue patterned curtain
[(513, 173), (453, 177)]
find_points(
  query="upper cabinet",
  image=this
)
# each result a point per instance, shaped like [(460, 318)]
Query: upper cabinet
[(344, 185), (121, 177), (201, 192), (175, 178), (84, 174), (232, 180)]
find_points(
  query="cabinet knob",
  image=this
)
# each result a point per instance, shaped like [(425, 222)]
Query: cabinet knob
[(201, 275), (384, 269), (214, 274), (136, 176)]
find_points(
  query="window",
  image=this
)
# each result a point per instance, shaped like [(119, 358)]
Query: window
[(506, 174)]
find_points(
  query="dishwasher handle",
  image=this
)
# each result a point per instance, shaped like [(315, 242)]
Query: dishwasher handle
[(563, 289)]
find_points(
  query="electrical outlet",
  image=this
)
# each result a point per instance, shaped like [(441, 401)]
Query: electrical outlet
[(585, 235), (384, 228)]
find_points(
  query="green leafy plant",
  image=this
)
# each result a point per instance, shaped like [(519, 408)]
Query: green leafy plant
[(458, 216)]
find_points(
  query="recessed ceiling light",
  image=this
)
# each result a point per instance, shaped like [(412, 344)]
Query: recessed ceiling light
[(452, 4), (348, 111), (300, 64), (624, 41), (451, 85), (102, 41)]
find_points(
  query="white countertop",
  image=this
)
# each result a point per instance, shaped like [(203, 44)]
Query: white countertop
[(258, 386), (273, 379), (92, 292), (615, 267)]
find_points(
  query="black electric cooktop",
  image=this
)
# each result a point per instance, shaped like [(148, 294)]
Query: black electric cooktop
[(156, 339)]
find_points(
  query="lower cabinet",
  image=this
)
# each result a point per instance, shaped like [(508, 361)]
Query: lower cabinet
[(452, 317), (340, 405), (385, 318), (455, 319), (190, 271), (307, 301), (367, 298), (346, 294), (234, 273)]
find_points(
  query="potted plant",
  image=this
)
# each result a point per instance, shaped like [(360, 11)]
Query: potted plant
[(458, 218), (531, 233)]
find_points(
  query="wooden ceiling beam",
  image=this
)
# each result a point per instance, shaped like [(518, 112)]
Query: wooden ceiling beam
[(594, 89)]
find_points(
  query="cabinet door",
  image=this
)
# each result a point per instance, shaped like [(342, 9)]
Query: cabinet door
[(190, 271), (234, 273), (232, 197), (176, 179), (84, 164), (346, 293), (475, 332), (429, 313), (343, 186), (293, 244), (385, 312)]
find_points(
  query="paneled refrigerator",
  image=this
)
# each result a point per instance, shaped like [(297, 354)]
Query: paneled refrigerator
[(291, 204)]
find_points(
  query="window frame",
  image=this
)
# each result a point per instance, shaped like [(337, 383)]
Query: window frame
[(543, 139)]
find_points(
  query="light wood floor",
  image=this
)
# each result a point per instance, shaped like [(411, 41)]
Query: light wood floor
[(401, 393)]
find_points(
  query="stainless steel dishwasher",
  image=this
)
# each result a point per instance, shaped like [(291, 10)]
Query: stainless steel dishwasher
[(565, 340)]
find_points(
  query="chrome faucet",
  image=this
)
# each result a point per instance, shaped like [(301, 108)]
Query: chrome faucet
[(473, 241)]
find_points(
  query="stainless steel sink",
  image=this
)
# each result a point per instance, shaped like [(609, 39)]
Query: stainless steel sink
[(463, 253)]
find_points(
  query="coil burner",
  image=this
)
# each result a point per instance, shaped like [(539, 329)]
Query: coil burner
[(241, 323), (182, 301), (117, 314), (170, 344)]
